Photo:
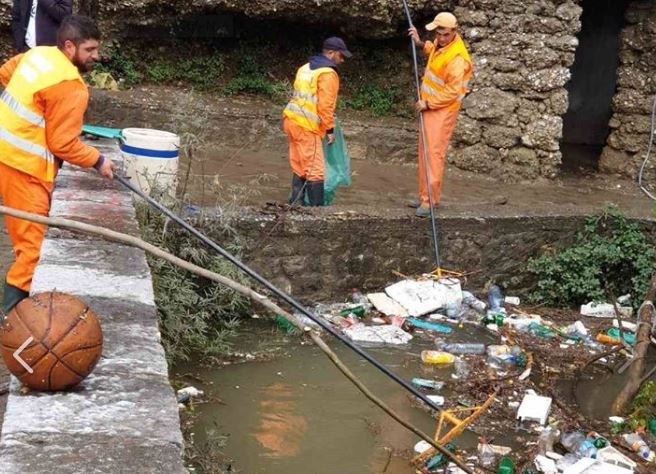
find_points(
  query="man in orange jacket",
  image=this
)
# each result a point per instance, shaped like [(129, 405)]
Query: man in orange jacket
[(41, 114), (444, 86), (309, 116)]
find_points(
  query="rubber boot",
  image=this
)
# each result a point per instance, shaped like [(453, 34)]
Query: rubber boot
[(315, 193), (12, 297), (297, 195)]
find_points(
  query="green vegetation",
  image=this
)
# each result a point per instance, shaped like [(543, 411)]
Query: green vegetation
[(203, 73), (378, 101), (644, 406), (122, 65), (196, 316), (609, 254), (252, 78)]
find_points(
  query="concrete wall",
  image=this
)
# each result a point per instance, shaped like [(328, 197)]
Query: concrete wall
[(321, 258), (632, 105)]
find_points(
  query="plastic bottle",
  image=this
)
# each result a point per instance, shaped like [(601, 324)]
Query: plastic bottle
[(506, 466), (485, 454), (428, 384), (541, 331), (500, 350), (359, 298), (502, 362), (462, 348), (437, 357), (637, 444), (495, 298), (462, 369), (474, 303)]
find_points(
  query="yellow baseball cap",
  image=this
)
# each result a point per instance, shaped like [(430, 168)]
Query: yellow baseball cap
[(443, 20)]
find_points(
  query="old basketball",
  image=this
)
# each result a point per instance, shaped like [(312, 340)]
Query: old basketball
[(51, 341)]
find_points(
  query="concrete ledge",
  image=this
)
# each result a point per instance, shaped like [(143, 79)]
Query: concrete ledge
[(123, 418)]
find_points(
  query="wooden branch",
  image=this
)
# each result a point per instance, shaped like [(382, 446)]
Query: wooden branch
[(637, 368), (242, 289)]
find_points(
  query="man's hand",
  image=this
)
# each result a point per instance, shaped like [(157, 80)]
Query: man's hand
[(331, 138), (412, 33), (421, 105), (107, 169)]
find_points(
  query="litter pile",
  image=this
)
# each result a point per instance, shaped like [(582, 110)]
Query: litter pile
[(502, 375)]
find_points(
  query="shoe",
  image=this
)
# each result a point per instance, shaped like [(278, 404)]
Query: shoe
[(425, 211), (12, 296), (314, 190), (414, 204), (297, 195)]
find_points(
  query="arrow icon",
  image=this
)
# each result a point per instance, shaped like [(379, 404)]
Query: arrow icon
[(17, 356)]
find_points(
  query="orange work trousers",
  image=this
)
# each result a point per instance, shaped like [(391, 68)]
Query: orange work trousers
[(305, 152), (25, 193), (439, 126)]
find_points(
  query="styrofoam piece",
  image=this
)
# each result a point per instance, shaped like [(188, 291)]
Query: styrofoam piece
[(422, 446), (604, 310), (594, 466), (611, 455), (546, 465), (625, 325), (386, 305), (534, 408), (422, 297), (389, 334), (438, 400)]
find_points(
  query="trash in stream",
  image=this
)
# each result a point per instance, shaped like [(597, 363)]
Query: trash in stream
[(498, 369)]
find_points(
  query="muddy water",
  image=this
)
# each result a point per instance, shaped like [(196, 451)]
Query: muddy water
[(297, 414)]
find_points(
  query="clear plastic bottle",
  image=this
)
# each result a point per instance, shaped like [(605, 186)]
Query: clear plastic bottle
[(572, 440), (359, 298), (495, 298), (547, 439), (462, 348), (501, 350), (637, 444), (470, 300), (587, 449), (437, 357), (485, 454)]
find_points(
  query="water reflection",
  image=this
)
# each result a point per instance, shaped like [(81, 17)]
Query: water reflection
[(280, 429)]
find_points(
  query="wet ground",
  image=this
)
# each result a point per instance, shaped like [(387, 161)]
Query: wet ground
[(5, 258), (296, 413), (250, 178)]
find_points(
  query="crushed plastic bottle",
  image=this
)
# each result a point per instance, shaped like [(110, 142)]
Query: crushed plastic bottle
[(572, 440), (474, 303), (358, 298), (541, 331), (427, 384), (587, 449), (502, 350), (637, 445), (437, 357), (485, 454), (462, 348), (502, 362), (495, 298)]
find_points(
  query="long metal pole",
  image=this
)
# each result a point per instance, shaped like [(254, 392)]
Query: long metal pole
[(422, 127), (282, 295)]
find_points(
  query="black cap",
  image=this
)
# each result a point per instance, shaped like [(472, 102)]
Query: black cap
[(337, 44)]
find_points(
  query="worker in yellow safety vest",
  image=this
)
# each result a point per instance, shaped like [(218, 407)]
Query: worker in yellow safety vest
[(41, 113), (443, 87), (309, 117)]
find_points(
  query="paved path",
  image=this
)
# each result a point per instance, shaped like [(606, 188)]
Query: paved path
[(123, 418)]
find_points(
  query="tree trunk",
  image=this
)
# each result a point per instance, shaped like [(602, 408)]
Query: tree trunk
[(636, 370)]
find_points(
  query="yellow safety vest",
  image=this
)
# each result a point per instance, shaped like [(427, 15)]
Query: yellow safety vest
[(434, 80), (302, 109), (23, 144)]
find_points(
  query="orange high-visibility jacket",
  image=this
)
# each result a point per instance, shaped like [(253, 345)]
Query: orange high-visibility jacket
[(438, 86), (26, 131), (312, 106)]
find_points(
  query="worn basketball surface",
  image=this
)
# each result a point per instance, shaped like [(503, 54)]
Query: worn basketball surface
[(60, 337)]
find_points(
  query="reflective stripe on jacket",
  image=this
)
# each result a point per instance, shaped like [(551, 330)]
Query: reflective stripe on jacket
[(23, 143), (302, 108), (436, 79)]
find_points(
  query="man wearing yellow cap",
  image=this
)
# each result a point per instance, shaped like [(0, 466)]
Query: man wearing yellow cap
[(444, 86)]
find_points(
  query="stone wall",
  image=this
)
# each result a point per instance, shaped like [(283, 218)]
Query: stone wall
[(632, 105)]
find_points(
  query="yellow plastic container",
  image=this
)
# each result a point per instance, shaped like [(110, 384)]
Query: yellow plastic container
[(437, 357)]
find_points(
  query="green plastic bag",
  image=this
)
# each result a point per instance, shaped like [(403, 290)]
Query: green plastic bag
[(337, 166)]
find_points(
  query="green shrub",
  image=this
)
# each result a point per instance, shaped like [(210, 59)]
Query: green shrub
[(122, 65), (643, 408), (609, 253), (378, 101), (196, 316), (251, 78)]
